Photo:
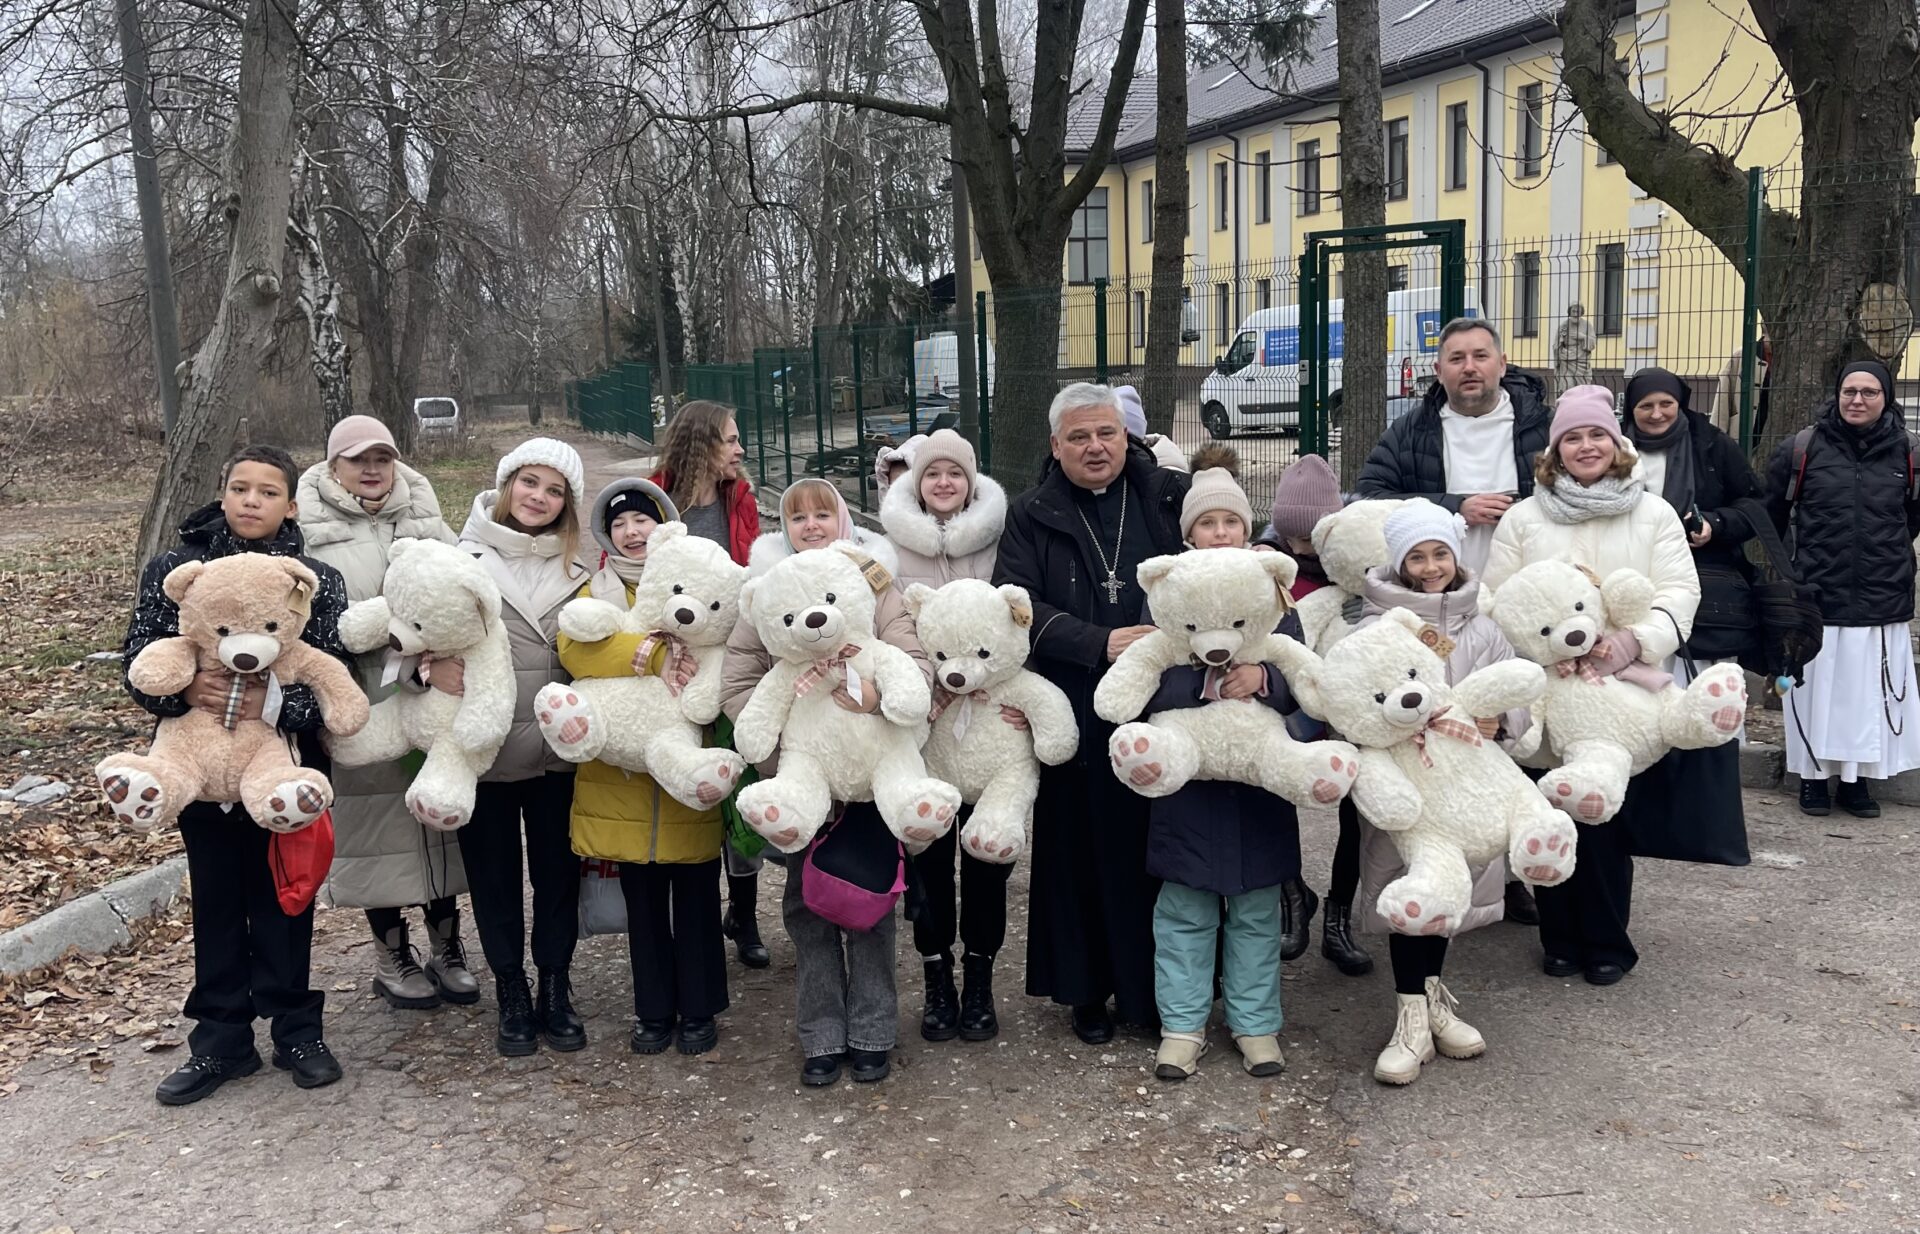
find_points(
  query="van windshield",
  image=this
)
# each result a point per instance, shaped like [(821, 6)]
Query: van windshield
[(1241, 353), (435, 408)]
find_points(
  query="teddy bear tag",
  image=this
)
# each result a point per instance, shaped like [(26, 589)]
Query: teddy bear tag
[(1436, 642)]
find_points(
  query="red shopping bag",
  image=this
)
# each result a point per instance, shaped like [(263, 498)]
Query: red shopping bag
[(300, 862)]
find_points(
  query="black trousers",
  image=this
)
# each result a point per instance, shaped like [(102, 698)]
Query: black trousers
[(982, 919), (1585, 918), (1415, 958), (673, 939), (1345, 880), (384, 919), (490, 849), (250, 960)]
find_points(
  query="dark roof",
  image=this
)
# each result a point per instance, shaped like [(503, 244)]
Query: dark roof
[(1416, 38)]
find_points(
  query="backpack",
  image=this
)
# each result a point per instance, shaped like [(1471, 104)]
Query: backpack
[(1803, 441), (855, 870)]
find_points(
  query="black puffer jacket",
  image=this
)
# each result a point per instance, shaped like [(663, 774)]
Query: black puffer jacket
[(1410, 459), (1853, 527), (205, 536)]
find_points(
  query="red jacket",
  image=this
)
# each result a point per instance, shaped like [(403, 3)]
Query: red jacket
[(743, 512)]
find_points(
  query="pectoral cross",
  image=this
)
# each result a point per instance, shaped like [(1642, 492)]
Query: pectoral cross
[(1112, 587)]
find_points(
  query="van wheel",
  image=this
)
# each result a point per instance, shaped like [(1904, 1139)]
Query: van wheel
[(1214, 416)]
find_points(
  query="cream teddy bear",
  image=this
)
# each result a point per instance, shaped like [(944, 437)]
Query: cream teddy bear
[(435, 599), (1449, 798), (976, 635), (1215, 609), (1604, 729), (814, 612), (687, 601), (242, 615), (1349, 542)]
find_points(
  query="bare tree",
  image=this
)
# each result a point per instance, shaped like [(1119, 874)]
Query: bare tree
[(1854, 68), (1169, 213), (1363, 203), (224, 370)]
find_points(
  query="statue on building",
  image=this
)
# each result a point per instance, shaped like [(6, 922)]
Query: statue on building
[(1573, 351)]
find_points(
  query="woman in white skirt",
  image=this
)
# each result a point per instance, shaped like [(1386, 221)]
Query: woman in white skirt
[(1845, 487)]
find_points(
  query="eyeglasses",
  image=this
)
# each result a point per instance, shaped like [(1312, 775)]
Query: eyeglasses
[(1861, 396)]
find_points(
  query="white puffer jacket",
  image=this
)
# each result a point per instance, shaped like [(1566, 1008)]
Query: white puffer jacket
[(937, 553)]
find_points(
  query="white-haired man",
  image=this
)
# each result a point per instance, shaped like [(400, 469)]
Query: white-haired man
[(1073, 541)]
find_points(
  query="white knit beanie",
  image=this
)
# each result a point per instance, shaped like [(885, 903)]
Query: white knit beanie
[(1132, 414), (1414, 524), (545, 452), (1214, 488)]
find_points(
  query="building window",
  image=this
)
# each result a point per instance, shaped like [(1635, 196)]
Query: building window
[(1263, 187), (1533, 131), (1087, 243), (1140, 316), (1610, 297), (1526, 295), (1309, 160), (1146, 212), (1222, 193), (1396, 278), (1603, 157), (1223, 313), (1263, 293), (1457, 146), (1396, 160)]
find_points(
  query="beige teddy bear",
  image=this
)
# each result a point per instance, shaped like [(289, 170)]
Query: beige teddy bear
[(241, 615)]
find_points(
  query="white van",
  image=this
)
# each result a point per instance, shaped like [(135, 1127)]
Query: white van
[(936, 365), (1255, 387), (436, 418)]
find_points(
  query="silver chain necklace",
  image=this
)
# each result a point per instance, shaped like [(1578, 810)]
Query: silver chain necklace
[(1113, 583)]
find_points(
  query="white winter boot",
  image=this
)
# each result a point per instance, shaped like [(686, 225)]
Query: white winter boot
[(1412, 1043), (1452, 1035), (1179, 1055)]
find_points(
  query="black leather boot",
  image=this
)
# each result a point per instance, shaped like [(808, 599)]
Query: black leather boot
[(742, 924), (1336, 941), (201, 1075), (518, 1035), (1297, 906), (1520, 908), (1814, 799), (560, 1027), (978, 1020), (1854, 798), (940, 1021)]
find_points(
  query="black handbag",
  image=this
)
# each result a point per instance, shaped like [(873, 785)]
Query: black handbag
[(1687, 806), (1726, 623)]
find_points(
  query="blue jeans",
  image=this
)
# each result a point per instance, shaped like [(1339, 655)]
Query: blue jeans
[(1186, 923)]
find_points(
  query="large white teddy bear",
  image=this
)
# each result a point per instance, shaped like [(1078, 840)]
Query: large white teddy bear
[(1447, 797), (687, 601), (976, 635), (436, 598), (1604, 729), (814, 612), (1349, 542), (1215, 609)]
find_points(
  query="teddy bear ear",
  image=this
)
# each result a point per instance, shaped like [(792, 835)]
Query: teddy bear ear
[(180, 578), (305, 583), (917, 596), (1153, 571), (1282, 569), (746, 598), (1404, 618), (400, 547), (486, 597), (663, 533), (1019, 603)]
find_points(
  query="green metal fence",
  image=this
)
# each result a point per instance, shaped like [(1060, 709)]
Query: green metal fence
[(617, 401)]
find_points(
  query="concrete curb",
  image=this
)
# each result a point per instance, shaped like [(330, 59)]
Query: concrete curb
[(96, 922), (1761, 765)]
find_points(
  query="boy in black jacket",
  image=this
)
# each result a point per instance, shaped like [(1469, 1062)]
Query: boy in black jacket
[(250, 959)]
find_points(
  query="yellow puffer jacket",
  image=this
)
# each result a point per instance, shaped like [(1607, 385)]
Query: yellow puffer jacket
[(624, 816)]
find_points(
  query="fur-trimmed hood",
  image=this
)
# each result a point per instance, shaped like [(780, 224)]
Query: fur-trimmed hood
[(975, 527), (771, 548)]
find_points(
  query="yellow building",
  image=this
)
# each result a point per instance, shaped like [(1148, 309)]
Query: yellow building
[(1477, 129)]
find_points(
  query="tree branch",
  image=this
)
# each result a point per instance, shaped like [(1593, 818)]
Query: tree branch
[(1100, 150), (851, 98)]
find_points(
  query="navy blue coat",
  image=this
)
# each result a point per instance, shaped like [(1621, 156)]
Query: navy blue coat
[(1214, 835)]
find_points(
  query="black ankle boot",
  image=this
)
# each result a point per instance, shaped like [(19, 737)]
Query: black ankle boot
[(1297, 906), (560, 1028), (1854, 798), (978, 1020), (1336, 941), (741, 924), (1520, 908), (518, 1035), (1814, 799), (940, 1021)]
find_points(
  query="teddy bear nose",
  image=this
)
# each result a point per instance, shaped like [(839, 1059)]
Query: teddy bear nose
[(246, 663), (956, 680), (1412, 699), (1576, 637), (684, 616), (816, 619), (1217, 656)]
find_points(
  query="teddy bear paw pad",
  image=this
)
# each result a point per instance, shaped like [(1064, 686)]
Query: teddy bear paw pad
[(134, 795), (565, 719)]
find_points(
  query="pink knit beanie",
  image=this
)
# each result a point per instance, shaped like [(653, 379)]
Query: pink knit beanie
[(1584, 407)]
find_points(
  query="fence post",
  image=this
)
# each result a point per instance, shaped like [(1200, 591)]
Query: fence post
[(1100, 330), (1750, 304), (821, 391), (985, 378), (859, 415), (909, 335)]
